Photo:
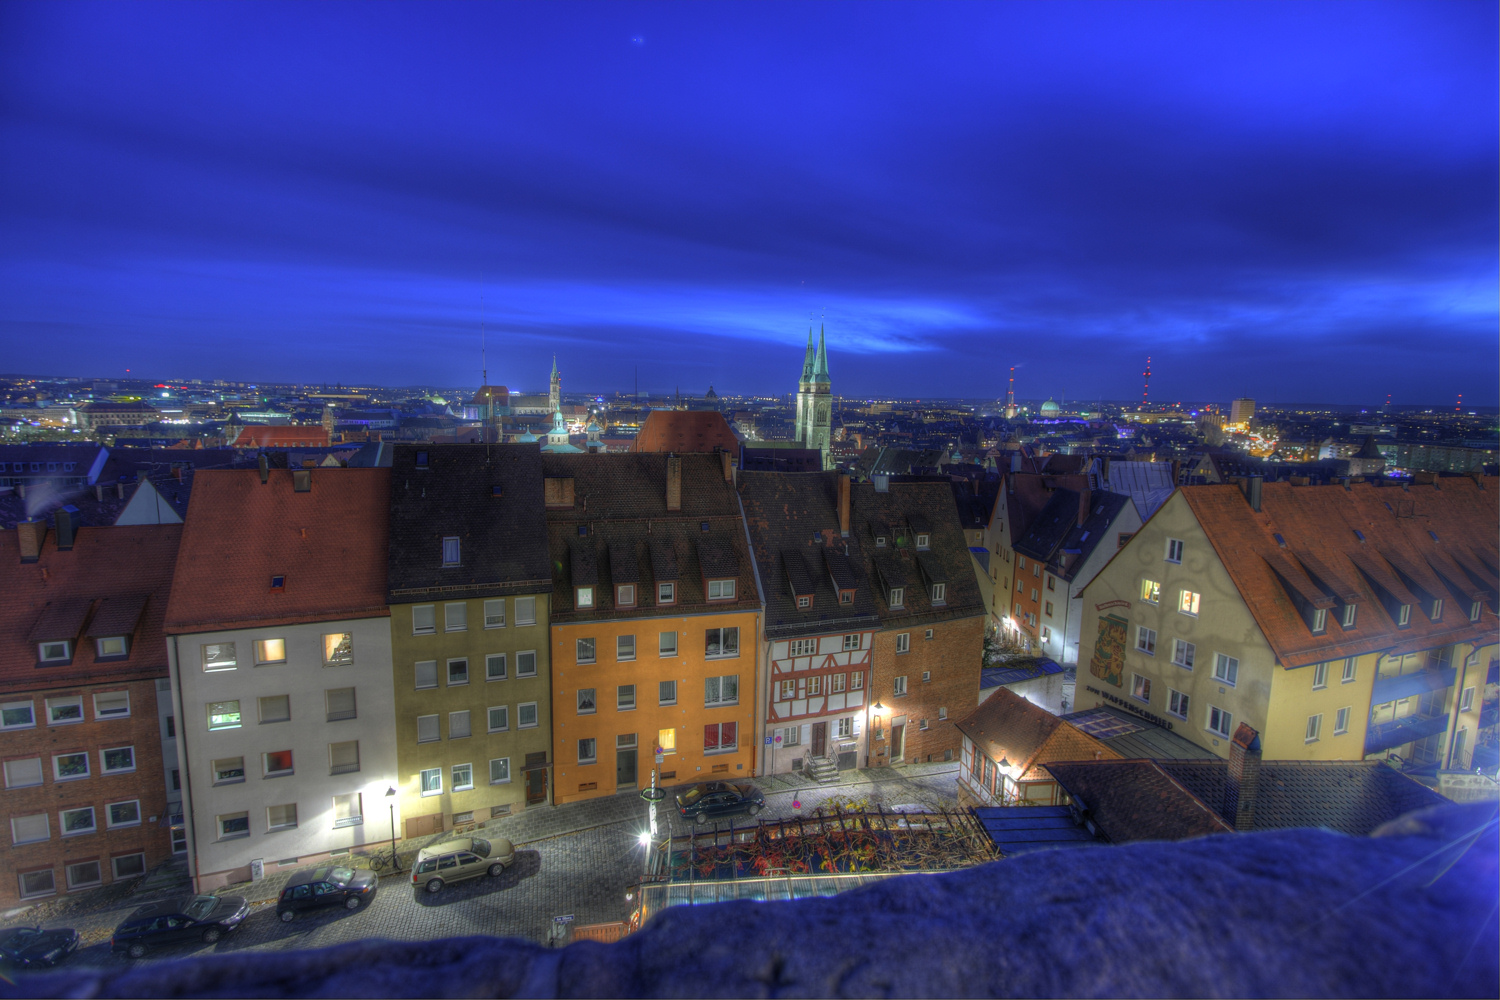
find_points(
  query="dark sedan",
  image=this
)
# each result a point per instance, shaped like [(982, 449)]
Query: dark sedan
[(31, 947), (315, 888), (712, 800), (178, 919)]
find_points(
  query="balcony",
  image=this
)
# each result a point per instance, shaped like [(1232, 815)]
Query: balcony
[(1383, 736)]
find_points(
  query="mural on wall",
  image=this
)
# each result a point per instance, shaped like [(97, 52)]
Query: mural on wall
[(1108, 661)]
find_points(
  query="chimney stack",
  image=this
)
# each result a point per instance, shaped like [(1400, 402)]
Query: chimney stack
[(31, 532), (727, 462), (1015, 461), (99, 492), (674, 483), (844, 505), (120, 491), (67, 526), (265, 470), (1244, 779), (1252, 491)]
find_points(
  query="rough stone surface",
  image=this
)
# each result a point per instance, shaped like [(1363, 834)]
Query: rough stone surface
[(1408, 912)]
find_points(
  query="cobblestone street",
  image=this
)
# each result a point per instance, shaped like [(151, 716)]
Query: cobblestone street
[(577, 859)]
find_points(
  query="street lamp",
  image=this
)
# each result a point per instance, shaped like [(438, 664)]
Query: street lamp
[(874, 712), (390, 793)]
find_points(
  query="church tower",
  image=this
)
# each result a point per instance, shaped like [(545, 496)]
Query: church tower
[(554, 392), (815, 401)]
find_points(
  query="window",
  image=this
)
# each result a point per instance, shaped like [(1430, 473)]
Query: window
[(940, 593), (1150, 591), (118, 760), (123, 814), (836, 684), (803, 647), (343, 758), (898, 686), (424, 619), (898, 597), (229, 770), (62, 711), (431, 781), (1140, 687), (1466, 700), (788, 690), (270, 651), (588, 750), (463, 777), (625, 698), (625, 647), (30, 829), (458, 725), (666, 693), (922, 725), (526, 715), (23, 773), (1437, 609), (68, 766), (666, 740), (924, 542), (585, 652), (450, 551), (1145, 640), (722, 642), (1187, 603), (721, 590), (426, 674), (1047, 609), (18, 714), (585, 597), (1349, 612), (1218, 721), (499, 770), (625, 595), (1314, 728), (458, 672), (112, 646), (723, 690), (338, 649), (281, 817), (277, 763), (275, 708), (1174, 550), (348, 810), (666, 593), (845, 728), (340, 704), (54, 652), (720, 737), (494, 613), (128, 865), (1320, 676), (1183, 653), (1046, 634), (1020, 562), (112, 705), (846, 597), (82, 874), (857, 681), (804, 603), (427, 729), (40, 883), (903, 642), (526, 663), (791, 736), (880, 541), (1349, 669), (1226, 669), (1341, 722), (1403, 617), (77, 821), (494, 667), (233, 825), (852, 641), (1474, 608), (499, 719), (1320, 620), (526, 611), (456, 617), (586, 701), (1177, 703), (814, 686)]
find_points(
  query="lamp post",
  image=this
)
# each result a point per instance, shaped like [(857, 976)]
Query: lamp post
[(874, 717), (390, 793)]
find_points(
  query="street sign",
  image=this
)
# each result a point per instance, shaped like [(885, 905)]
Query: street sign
[(661, 758), (778, 740), (566, 918), (768, 740)]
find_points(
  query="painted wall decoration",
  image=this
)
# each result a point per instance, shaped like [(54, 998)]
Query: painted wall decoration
[(1108, 661)]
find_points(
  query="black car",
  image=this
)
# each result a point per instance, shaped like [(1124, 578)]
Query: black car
[(315, 888), (30, 947), (178, 919), (710, 800)]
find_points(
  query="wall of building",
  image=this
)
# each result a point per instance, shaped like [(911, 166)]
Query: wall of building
[(831, 659), (952, 658), (1295, 697), (1128, 522)]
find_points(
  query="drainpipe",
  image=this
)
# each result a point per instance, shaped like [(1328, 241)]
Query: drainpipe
[(183, 725), (762, 701)]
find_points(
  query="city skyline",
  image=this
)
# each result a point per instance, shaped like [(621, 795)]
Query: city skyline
[(1247, 194)]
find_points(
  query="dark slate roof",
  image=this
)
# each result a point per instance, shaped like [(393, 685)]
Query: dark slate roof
[(1135, 738), (1081, 541), (1350, 796), (793, 520), (1030, 670), (975, 502), (502, 538), (1051, 526), (932, 499), (1018, 829), (1129, 800)]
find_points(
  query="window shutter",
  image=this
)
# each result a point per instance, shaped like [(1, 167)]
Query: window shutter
[(344, 757)]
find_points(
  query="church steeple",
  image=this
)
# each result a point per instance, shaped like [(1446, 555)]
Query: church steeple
[(807, 359), (554, 388), (820, 363)]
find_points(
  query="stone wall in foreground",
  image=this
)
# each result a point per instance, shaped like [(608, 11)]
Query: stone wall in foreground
[(1409, 912)]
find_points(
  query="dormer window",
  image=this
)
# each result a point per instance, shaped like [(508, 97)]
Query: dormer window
[(450, 550), (1437, 609), (302, 481), (114, 645), (846, 597), (721, 590), (923, 542), (421, 459), (804, 602), (898, 597), (1403, 616), (278, 583), (1350, 610), (666, 593), (880, 541), (1474, 610), (1320, 621), (939, 593), (625, 595), (584, 597), (54, 652)]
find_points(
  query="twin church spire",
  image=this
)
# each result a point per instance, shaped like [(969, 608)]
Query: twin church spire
[(815, 399)]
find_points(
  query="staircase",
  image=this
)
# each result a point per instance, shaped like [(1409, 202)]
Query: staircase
[(823, 770)]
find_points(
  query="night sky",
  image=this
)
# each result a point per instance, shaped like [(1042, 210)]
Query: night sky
[(1292, 201)]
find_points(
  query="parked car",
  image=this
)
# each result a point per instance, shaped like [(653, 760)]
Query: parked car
[(177, 919), (456, 860), (31, 947), (710, 800), (315, 888)]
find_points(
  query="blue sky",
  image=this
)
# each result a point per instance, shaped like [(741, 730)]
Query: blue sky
[(1290, 201)]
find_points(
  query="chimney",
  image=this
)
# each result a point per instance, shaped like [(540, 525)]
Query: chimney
[(1252, 491), (99, 492), (1015, 461), (674, 483), (1244, 779), (302, 481), (726, 462), (265, 470), (844, 506), (31, 533), (1105, 472), (177, 471), (120, 491), (21, 490), (67, 526)]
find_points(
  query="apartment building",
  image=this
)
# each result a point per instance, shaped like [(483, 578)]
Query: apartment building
[(819, 625), (470, 598), (280, 647), (1022, 498), (1339, 622), (654, 617), (85, 794)]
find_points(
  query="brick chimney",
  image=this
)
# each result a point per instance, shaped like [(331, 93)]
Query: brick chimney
[(31, 533), (1244, 779), (844, 506), (68, 520), (727, 461), (674, 483)]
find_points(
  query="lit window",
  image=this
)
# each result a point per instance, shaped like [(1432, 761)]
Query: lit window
[(856, 681), (218, 656), (1150, 591), (1188, 603), (788, 690), (111, 646), (1226, 669), (223, 715), (666, 741), (450, 551), (814, 686), (277, 762), (338, 649), (270, 651)]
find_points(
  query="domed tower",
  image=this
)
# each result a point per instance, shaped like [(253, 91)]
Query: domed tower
[(815, 401)]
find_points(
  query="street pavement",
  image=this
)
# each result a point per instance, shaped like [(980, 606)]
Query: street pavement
[(578, 859)]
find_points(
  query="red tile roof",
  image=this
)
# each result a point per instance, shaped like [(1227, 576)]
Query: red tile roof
[(1006, 726), (111, 576), (684, 431), (330, 545), (269, 436)]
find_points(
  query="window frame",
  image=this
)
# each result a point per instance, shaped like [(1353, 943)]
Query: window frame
[(898, 686), (259, 652), (455, 621), (897, 597), (40, 772), (46, 824), (492, 620), (437, 724), (431, 614), (1178, 660), (727, 587), (521, 655), (15, 706), (1320, 676), (620, 705), (1143, 644), (65, 701), (109, 816), (1150, 591), (1341, 720), (583, 597), (625, 595), (720, 701), (425, 781), (940, 593), (64, 658), (221, 820), (1314, 729), (722, 633), (104, 767), (418, 668), (1189, 602), (620, 654), (62, 822), (450, 663), (1227, 720), (521, 722), (1140, 683), (468, 724), (903, 642), (585, 650), (660, 688), (1350, 671), (666, 592), (489, 719), (1182, 700), (1175, 547), (588, 750), (452, 551), (1230, 667), (721, 747), (455, 776), (506, 768)]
